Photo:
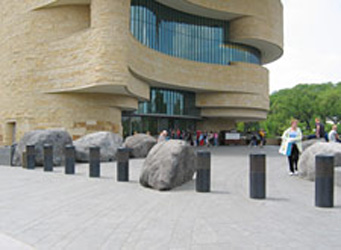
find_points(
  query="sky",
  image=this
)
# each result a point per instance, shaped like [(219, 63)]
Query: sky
[(312, 44)]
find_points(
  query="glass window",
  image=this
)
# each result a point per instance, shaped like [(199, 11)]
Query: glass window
[(169, 102), (186, 36)]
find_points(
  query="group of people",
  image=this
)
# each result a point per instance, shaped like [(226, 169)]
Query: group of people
[(292, 142), (198, 138), (258, 138), (291, 145), (332, 136)]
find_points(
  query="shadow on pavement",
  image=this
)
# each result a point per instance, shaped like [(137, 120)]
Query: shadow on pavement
[(277, 199)]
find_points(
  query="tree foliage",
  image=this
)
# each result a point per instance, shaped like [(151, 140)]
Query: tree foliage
[(303, 102)]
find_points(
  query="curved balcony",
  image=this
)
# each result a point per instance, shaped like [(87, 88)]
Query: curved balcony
[(166, 71)]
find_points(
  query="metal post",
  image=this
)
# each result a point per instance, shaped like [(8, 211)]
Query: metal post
[(24, 159), (30, 156), (122, 164), (69, 159), (203, 179), (257, 176), (95, 162), (324, 181), (48, 158), (13, 147)]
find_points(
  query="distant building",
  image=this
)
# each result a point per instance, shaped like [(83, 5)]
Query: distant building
[(135, 65)]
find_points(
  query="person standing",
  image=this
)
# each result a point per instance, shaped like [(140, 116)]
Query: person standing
[(198, 137), (253, 141), (333, 135), (292, 146), (216, 138), (202, 139), (262, 137), (162, 136), (178, 134), (210, 139)]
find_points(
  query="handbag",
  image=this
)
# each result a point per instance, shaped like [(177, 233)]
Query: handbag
[(289, 149), (285, 148)]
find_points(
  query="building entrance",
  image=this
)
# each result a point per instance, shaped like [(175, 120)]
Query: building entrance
[(154, 125), (167, 109)]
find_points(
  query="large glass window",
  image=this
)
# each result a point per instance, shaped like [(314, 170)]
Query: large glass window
[(186, 36), (167, 109), (169, 103)]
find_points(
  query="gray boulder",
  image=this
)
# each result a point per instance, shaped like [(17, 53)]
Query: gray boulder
[(107, 141), (169, 164), (306, 165), (140, 145), (306, 144), (57, 138)]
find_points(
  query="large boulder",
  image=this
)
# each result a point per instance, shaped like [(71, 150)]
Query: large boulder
[(169, 164), (140, 145), (306, 165), (107, 141), (306, 144), (57, 138)]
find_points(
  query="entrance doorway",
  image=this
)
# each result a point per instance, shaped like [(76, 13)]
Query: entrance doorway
[(10, 133), (155, 124)]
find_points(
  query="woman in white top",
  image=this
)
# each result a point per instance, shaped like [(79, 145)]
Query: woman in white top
[(292, 145)]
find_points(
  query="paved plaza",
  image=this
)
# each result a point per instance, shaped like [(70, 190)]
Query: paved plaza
[(41, 210)]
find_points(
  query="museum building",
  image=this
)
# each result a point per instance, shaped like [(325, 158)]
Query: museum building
[(135, 65)]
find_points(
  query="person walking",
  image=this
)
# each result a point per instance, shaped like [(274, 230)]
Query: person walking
[(292, 146), (333, 135)]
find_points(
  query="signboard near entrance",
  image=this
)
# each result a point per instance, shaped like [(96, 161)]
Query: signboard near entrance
[(232, 136)]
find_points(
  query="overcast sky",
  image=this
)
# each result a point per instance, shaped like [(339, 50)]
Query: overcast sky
[(312, 44)]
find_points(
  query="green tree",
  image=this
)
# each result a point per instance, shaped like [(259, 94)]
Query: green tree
[(330, 104), (304, 102)]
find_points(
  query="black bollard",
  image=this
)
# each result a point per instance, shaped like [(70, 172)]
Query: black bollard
[(122, 164), (324, 181), (13, 147), (203, 179), (257, 176), (30, 157), (95, 162), (24, 159), (69, 159), (48, 158)]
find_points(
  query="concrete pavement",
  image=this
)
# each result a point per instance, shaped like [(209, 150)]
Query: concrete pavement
[(55, 211)]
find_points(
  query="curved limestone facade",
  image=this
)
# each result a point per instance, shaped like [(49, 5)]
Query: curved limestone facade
[(80, 64)]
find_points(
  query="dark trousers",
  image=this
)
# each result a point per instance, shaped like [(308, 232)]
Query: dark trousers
[(293, 158), (314, 137)]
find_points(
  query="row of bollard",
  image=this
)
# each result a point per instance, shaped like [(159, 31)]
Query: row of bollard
[(324, 180), (94, 161)]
